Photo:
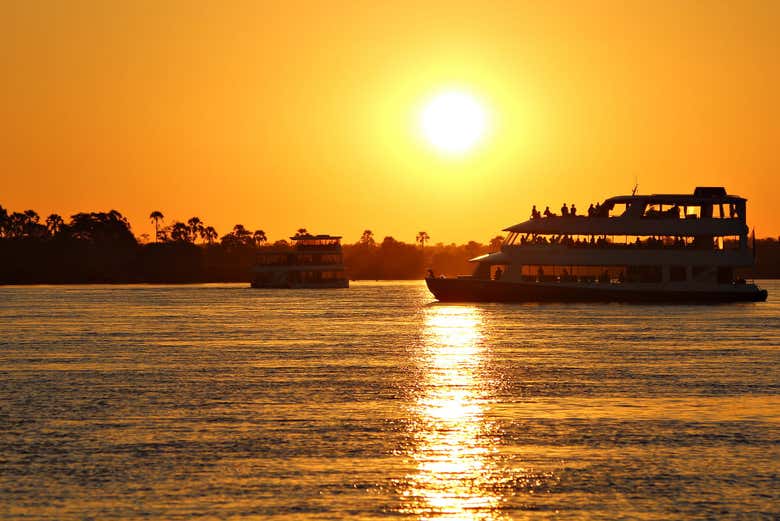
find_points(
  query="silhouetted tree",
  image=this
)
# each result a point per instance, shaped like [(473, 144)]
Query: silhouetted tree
[(301, 232), (180, 232), (156, 217), (209, 234), (281, 243), (422, 238), (3, 221), (15, 225), (195, 227), (54, 224), (496, 242), (259, 237), (239, 237), (25, 224), (367, 239), (102, 228)]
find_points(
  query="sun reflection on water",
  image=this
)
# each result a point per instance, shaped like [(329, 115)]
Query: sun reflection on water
[(453, 478)]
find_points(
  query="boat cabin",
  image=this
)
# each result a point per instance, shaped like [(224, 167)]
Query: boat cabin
[(309, 261)]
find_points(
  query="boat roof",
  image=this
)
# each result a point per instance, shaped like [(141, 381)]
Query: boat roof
[(679, 199), (310, 237), (636, 225)]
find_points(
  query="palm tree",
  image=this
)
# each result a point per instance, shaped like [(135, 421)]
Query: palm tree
[(259, 237), (196, 226), (301, 231), (180, 232), (422, 238), (242, 235), (156, 216), (54, 224), (209, 234)]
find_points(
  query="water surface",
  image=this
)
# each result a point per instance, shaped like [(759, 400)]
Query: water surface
[(218, 401)]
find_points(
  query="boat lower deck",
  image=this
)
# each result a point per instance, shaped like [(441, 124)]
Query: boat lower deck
[(467, 289), (322, 284)]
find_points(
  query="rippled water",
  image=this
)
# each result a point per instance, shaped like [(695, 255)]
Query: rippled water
[(176, 402)]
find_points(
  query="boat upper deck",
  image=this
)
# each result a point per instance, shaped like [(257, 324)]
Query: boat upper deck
[(709, 211)]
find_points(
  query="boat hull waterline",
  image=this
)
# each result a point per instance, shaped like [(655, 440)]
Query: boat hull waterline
[(479, 290)]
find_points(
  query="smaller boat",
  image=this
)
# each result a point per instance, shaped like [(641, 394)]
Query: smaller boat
[(312, 261)]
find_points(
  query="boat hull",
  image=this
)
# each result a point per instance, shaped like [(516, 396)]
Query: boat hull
[(331, 284), (480, 290)]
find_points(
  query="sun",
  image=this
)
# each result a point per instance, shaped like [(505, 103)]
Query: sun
[(453, 122)]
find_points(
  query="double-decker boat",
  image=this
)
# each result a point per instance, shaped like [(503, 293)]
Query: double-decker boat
[(312, 261), (634, 248)]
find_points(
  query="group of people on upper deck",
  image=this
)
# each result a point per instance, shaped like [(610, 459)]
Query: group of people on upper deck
[(566, 211)]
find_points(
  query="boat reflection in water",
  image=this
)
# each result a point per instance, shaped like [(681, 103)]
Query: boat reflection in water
[(455, 477)]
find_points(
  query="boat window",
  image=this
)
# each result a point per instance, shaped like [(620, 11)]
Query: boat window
[(482, 271), (618, 210), (330, 259), (498, 271), (692, 212), (657, 211), (731, 242)]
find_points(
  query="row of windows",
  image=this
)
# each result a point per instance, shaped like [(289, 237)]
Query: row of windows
[(297, 260), (610, 274)]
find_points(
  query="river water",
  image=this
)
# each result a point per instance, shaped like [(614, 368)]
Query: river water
[(218, 401)]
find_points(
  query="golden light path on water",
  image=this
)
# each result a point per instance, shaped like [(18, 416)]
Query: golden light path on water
[(453, 478)]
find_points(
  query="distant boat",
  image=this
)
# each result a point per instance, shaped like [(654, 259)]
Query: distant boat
[(313, 261), (633, 248)]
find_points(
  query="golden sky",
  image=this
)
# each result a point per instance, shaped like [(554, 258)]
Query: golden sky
[(279, 115)]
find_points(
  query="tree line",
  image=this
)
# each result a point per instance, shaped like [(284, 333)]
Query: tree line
[(100, 247)]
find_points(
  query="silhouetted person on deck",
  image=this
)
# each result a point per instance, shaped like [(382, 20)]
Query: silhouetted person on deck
[(535, 213), (573, 210), (564, 211), (498, 274), (548, 213), (430, 274), (591, 210)]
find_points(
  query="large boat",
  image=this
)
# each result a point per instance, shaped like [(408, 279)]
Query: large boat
[(312, 261), (633, 248)]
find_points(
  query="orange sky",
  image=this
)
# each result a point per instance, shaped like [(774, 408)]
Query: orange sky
[(304, 114)]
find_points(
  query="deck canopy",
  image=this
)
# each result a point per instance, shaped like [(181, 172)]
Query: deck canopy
[(645, 215), (630, 226), (678, 199), (310, 237)]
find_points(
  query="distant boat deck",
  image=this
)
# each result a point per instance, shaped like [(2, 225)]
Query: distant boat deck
[(312, 261)]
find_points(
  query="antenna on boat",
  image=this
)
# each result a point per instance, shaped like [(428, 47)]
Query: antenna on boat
[(636, 186)]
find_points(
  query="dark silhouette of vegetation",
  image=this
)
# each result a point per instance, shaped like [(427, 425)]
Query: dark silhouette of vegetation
[(156, 217), (422, 238), (99, 247)]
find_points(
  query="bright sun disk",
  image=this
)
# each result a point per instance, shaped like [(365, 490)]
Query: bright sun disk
[(453, 122)]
